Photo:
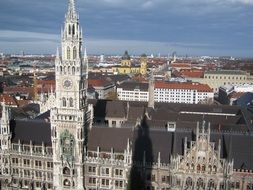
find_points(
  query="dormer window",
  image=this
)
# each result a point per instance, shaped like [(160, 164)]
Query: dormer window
[(171, 126)]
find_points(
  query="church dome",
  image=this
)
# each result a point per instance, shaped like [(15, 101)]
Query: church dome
[(126, 56)]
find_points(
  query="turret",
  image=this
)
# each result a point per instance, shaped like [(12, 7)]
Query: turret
[(5, 133)]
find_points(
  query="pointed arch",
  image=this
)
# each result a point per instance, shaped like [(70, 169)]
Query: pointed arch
[(69, 29), (61, 69), (73, 70), (68, 52), (74, 53), (64, 103), (68, 69), (73, 29)]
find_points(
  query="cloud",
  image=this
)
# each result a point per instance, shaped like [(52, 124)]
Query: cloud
[(188, 26)]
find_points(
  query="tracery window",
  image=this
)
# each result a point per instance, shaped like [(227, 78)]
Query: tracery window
[(74, 53), (200, 184), (68, 53), (71, 102)]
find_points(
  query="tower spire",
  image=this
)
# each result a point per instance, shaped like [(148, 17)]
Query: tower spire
[(72, 8)]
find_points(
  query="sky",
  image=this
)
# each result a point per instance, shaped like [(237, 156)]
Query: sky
[(188, 27)]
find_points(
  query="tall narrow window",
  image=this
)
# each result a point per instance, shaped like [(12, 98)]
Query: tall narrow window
[(69, 29), (68, 53), (73, 70), (74, 53), (64, 104), (73, 29), (71, 102), (61, 69), (68, 69)]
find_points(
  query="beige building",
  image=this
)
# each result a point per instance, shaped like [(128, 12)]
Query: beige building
[(216, 79)]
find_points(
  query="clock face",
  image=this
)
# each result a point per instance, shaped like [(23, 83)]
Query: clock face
[(67, 83)]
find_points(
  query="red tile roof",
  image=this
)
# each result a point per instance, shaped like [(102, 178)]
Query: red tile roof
[(192, 73), (8, 99), (98, 82), (236, 95), (189, 86)]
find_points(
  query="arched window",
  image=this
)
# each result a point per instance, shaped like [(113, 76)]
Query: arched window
[(66, 183), (198, 168), (66, 171), (73, 29), (64, 104), (188, 182), (200, 183), (68, 53), (71, 102), (210, 184), (68, 69), (74, 53), (215, 168), (61, 69), (203, 168), (73, 70), (69, 29)]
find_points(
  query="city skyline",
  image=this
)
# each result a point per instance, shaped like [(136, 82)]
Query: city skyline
[(215, 28)]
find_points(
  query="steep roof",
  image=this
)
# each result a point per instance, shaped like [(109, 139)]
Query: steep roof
[(37, 131)]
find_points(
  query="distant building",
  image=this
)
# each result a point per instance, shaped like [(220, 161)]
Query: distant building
[(127, 67), (102, 87), (215, 79), (192, 93), (229, 94)]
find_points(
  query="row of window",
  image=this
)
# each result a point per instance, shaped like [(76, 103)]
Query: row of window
[(28, 163), (224, 77), (67, 70), (105, 171), (119, 184)]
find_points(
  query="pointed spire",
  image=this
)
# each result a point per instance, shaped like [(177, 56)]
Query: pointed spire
[(72, 9), (86, 62)]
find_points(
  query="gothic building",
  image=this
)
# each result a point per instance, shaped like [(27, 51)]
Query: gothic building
[(97, 144)]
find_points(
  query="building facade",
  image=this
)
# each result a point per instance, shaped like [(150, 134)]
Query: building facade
[(127, 67), (216, 79), (191, 93)]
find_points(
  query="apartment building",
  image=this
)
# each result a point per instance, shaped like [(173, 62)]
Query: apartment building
[(174, 92)]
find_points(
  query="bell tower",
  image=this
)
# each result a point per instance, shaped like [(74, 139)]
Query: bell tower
[(71, 116)]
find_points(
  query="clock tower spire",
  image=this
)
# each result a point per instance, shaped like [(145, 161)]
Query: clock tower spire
[(71, 116)]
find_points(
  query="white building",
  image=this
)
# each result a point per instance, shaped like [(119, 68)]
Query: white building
[(191, 93)]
